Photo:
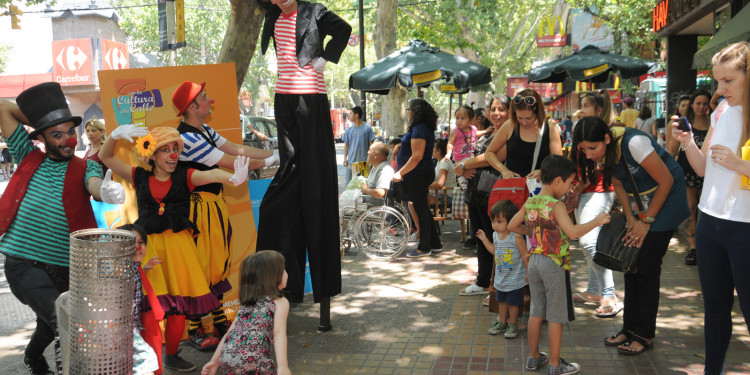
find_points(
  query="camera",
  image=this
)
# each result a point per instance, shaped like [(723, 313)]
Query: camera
[(683, 124)]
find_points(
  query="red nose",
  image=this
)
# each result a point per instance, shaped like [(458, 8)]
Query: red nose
[(174, 156), (210, 101), (71, 142)]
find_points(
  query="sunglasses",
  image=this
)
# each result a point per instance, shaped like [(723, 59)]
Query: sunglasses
[(528, 100)]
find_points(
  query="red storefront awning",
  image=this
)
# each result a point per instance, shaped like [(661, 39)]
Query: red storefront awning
[(12, 85)]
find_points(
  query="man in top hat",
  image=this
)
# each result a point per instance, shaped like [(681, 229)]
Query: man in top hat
[(299, 213), (206, 149), (46, 200)]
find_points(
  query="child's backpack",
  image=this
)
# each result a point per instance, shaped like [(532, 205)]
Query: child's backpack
[(512, 189)]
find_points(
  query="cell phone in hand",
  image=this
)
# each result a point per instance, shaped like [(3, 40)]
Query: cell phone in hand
[(683, 124)]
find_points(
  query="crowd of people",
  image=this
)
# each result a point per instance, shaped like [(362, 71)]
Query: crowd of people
[(584, 164), (688, 178)]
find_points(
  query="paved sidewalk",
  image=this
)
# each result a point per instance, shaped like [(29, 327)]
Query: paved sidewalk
[(405, 317)]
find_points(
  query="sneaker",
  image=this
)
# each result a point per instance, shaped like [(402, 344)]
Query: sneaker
[(37, 366), (512, 331), (534, 363), (486, 301), (202, 341), (437, 249), (473, 290), (469, 244), (175, 362), (497, 328), (565, 368), (416, 253), (413, 237)]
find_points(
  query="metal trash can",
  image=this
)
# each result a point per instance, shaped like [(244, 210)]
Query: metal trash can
[(100, 302)]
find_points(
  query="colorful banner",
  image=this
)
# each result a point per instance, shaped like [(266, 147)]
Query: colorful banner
[(587, 29), (546, 90), (145, 96), (72, 63)]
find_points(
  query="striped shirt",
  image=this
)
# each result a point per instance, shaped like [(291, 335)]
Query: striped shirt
[(198, 150), (293, 79), (40, 229)]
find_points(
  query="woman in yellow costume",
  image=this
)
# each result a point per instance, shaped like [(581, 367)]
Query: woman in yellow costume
[(163, 195)]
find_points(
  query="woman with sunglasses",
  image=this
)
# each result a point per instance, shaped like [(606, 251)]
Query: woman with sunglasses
[(519, 137), (593, 198), (478, 218), (416, 170), (661, 184)]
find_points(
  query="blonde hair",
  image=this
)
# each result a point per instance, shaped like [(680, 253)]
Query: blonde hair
[(99, 124), (739, 54), (603, 103)]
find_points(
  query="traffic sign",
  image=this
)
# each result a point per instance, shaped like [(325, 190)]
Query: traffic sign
[(353, 40)]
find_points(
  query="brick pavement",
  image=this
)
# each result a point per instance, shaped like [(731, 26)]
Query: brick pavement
[(405, 317)]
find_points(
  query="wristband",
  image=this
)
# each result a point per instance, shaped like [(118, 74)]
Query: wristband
[(646, 219)]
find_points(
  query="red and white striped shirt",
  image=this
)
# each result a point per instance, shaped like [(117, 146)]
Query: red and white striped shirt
[(293, 79)]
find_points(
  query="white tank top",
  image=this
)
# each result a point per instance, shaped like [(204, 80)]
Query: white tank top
[(722, 196)]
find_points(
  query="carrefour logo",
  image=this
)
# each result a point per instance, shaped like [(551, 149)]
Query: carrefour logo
[(71, 58)]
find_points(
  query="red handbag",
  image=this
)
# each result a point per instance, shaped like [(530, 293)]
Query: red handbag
[(512, 189)]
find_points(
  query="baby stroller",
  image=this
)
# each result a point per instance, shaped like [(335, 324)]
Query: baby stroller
[(380, 230)]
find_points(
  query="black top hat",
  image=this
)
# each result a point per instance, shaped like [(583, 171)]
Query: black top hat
[(45, 106)]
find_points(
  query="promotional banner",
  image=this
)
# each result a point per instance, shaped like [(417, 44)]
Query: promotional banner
[(587, 29), (144, 96), (545, 89)]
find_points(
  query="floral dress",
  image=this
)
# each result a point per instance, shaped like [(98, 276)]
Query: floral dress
[(247, 348)]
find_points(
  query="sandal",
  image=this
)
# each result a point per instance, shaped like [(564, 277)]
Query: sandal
[(646, 346), (609, 310), (608, 342), (585, 297), (692, 258)]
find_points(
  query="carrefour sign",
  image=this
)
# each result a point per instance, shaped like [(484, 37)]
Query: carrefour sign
[(72, 63)]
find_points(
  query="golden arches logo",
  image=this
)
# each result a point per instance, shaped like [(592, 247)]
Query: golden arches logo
[(551, 26)]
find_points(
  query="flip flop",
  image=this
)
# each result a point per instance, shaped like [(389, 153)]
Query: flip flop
[(646, 346), (617, 343), (584, 297), (609, 311)]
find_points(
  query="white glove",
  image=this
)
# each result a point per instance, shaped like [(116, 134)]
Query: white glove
[(129, 132), (110, 191), (273, 160), (240, 170), (319, 64)]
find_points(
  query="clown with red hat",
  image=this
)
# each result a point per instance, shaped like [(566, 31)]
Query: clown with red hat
[(205, 149)]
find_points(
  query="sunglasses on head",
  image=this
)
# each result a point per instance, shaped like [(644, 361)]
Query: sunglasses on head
[(528, 100)]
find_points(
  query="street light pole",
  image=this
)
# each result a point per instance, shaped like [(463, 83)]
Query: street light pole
[(362, 99)]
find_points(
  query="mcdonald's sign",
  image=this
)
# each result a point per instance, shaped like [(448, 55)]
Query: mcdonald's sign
[(551, 39)]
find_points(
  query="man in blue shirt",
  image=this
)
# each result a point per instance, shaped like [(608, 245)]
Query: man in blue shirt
[(357, 141)]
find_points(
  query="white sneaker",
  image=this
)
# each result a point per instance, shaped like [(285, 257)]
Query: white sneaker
[(472, 290)]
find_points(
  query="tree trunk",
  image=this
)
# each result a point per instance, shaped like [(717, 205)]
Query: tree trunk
[(394, 104), (243, 30)]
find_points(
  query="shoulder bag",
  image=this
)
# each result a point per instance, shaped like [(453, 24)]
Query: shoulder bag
[(611, 252), (487, 179)]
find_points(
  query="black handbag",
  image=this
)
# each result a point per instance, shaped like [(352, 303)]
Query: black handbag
[(611, 251)]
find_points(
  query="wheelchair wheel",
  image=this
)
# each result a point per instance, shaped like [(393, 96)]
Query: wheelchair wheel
[(381, 233)]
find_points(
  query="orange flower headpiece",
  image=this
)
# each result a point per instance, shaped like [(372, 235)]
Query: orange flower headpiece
[(147, 145)]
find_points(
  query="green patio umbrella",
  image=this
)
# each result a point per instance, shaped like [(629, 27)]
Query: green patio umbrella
[(592, 65), (736, 30), (418, 65)]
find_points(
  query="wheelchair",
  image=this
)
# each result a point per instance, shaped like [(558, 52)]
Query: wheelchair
[(380, 231)]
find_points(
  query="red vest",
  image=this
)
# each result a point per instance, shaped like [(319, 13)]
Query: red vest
[(75, 197)]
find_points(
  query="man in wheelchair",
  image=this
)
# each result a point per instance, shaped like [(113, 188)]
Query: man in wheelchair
[(381, 174)]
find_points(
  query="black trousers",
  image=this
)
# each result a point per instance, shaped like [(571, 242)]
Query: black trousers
[(300, 209), (479, 218), (38, 285), (642, 287), (417, 189)]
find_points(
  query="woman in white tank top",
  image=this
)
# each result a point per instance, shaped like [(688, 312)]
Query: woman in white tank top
[(723, 231)]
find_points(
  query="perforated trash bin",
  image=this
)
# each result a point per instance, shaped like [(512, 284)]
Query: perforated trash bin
[(100, 303)]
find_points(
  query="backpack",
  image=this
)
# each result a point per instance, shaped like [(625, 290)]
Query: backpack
[(512, 189)]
